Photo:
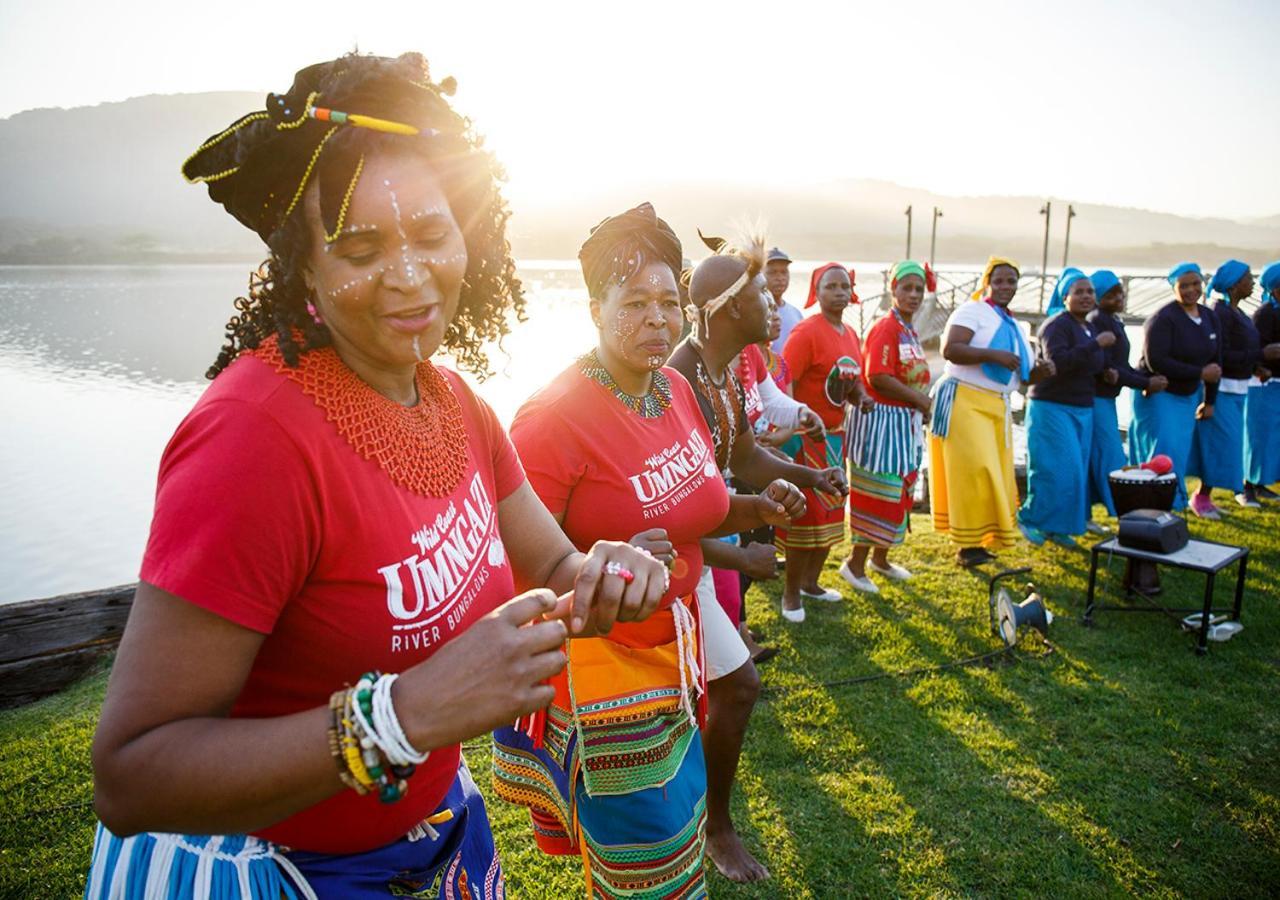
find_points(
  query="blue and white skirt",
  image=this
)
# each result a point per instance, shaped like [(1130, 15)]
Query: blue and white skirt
[(447, 856)]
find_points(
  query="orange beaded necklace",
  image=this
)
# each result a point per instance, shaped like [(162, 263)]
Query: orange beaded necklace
[(422, 448)]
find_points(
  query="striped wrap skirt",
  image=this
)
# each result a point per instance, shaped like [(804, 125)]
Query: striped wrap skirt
[(613, 769), (886, 446)]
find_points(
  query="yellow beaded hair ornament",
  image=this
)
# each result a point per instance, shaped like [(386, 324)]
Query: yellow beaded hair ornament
[(260, 166)]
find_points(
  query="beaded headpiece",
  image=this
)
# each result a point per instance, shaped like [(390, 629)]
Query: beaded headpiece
[(259, 167), (718, 278)]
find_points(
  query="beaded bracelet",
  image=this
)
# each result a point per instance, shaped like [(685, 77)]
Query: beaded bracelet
[(337, 733), (387, 724), (374, 716)]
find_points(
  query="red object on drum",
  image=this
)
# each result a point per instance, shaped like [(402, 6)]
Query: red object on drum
[(1160, 464)]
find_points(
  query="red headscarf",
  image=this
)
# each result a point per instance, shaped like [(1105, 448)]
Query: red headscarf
[(816, 278)]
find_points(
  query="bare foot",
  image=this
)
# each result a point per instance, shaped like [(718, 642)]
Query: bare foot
[(735, 862), (753, 647)]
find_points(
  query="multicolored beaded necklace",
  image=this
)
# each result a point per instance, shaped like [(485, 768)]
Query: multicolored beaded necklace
[(650, 406), (724, 430)]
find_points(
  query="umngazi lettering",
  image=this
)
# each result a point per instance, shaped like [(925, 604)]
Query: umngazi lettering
[(672, 474), (429, 592)]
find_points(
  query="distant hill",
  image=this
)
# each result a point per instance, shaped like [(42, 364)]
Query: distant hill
[(101, 184)]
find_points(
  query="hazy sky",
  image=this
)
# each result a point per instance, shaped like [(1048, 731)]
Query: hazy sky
[(1165, 105)]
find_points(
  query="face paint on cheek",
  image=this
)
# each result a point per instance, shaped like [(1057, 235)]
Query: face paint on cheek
[(417, 350), (623, 327), (656, 362)]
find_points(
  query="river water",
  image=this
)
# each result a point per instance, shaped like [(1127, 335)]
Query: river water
[(99, 364)]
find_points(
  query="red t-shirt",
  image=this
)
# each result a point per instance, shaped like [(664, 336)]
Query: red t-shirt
[(751, 370), (612, 473), (812, 351), (892, 350), (267, 516)]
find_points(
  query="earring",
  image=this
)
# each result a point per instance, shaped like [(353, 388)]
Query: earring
[(315, 315)]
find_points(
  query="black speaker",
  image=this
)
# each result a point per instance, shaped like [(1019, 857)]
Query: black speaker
[(1153, 530)]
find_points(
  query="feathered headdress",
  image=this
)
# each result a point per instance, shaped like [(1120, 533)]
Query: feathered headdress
[(718, 278)]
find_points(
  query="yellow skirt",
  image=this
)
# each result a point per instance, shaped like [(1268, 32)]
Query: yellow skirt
[(972, 493)]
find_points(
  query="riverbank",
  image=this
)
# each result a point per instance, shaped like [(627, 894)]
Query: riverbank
[(1112, 762)]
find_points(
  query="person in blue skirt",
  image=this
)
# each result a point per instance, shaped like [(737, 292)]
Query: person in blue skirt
[(1219, 440), (1106, 453), (1060, 418), (1181, 343), (1262, 405)]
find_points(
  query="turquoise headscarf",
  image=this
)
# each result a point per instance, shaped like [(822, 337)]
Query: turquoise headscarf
[(1058, 302), (1103, 280), (1182, 269), (1227, 276), (1270, 282)]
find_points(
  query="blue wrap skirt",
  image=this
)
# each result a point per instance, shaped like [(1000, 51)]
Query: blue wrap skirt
[(1058, 440), (1164, 423)]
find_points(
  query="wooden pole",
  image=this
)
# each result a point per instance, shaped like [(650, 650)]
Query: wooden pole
[(933, 236), (1066, 245), (1044, 257)]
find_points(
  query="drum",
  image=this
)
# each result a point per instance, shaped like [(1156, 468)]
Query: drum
[(1142, 489)]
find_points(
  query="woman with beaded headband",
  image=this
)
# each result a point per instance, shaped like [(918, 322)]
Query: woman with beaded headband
[(972, 493), (730, 313), (616, 446), (325, 606)]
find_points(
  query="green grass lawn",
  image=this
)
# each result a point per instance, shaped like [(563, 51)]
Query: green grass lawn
[(1113, 762)]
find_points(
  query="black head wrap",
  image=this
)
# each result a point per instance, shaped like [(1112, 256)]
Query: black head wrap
[(622, 245), (259, 167)]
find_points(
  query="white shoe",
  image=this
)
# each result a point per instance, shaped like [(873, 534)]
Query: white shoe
[(828, 595), (793, 615), (864, 584), (1248, 502), (896, 572)]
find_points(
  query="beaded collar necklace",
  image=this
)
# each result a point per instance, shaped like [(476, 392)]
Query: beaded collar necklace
[(423, 448), (651, 406)]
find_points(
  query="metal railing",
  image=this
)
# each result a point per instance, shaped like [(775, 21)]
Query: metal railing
[(1144, 295)]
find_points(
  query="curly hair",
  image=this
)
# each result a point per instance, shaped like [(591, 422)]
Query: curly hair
[(276, 301)]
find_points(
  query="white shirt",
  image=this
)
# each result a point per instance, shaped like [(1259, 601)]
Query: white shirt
[(984, 322)]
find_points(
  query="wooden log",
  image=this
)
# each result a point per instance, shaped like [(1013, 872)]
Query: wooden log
[(47, 644), (27, 680), (36, 628)]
